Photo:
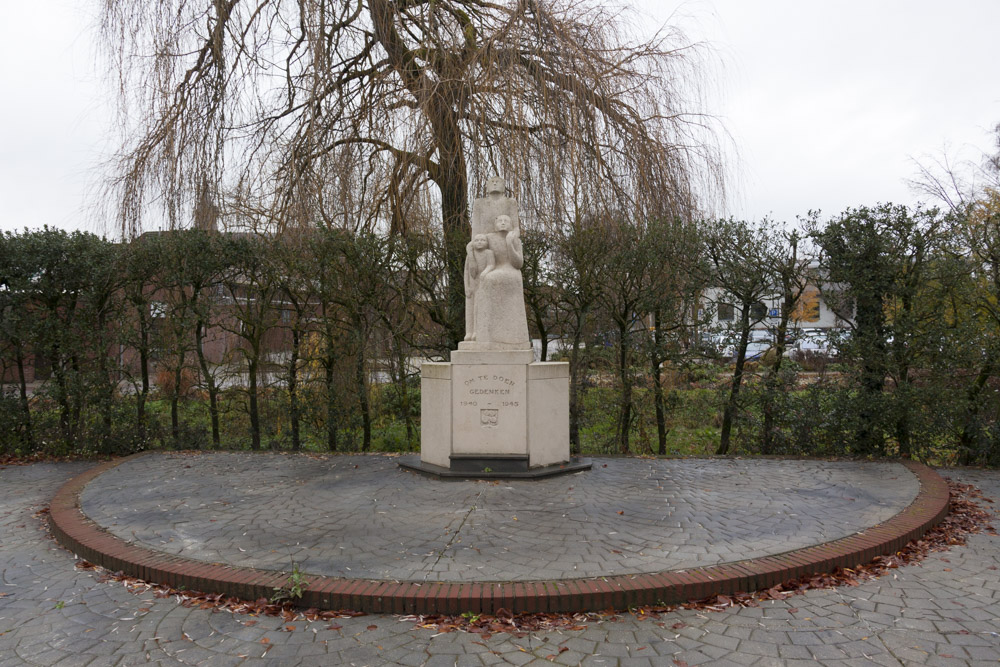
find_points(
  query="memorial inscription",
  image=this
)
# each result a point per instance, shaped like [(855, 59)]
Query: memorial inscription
[(491, 402)]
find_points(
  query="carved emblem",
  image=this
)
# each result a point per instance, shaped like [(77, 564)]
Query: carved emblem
[(488, 418)]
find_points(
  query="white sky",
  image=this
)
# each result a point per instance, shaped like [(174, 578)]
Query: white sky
[(827, 103)]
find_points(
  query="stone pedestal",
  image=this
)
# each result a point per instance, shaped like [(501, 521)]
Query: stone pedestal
[(495, 413)]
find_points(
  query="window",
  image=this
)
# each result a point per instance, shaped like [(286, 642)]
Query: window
[(726, 312), (758, 311)]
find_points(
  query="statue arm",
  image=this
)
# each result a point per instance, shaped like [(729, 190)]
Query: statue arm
[(514, 246), (471, 270), (491, 263)]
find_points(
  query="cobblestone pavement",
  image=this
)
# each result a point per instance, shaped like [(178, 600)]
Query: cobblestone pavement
[(944, 611), (363, 517)]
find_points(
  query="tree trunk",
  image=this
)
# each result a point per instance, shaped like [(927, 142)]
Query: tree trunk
[(331, 406), (971, 429), (175, 429), (574, 386), (254, 408), (661, 410), (140, 403), (454, 206), (213, 390), (903, 420), (543, 334), (77, 403), (62, 393), (870, 319), (27, 436), (107, 396), (657, 374), (362, 388), (729, 413), (903, 373), (293, 394), (625, 414), (773, 376), (404, 397), (450, 173)]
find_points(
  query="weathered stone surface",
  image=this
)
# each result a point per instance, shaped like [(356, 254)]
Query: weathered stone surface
[(494, 289), (487, 405), (491, 402), (490, 409), (357, 516), (435, 413), (944, 611)]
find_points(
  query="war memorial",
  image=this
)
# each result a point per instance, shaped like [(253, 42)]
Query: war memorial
[(495, 513)]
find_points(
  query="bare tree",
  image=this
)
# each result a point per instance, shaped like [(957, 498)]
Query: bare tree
[(740, 254), (790, 269), (417, 99), (251, 290), (577, 282), (670, 303), (971, 191)]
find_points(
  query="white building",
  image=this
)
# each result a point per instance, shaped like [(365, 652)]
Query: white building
[(721, 312)]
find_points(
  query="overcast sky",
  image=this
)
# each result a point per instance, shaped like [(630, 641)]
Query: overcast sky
[(827, 104)]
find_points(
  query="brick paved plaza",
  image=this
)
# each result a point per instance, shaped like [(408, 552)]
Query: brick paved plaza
[(632, 516)]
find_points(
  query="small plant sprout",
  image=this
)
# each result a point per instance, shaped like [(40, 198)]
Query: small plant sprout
[(293, 588)]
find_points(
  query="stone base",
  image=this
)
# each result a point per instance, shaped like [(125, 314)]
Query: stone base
[(469, 471), (476, 346), (496, 406)]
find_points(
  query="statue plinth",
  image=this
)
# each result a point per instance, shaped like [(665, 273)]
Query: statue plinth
[(493, 411)]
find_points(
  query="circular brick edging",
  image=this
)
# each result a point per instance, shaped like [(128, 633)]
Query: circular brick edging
[(75, 531)]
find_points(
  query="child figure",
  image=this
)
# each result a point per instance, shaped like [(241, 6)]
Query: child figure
[(479, 261), (512, 239)]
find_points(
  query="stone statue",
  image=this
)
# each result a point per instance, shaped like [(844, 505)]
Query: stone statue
[(479, 261), (492, 401), (494, 291), (486, 209)]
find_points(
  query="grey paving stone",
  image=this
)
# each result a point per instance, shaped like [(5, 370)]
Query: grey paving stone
[(100, 624), (273, 510)]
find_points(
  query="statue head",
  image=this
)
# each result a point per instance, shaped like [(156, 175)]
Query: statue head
[(495, 185), (480, 242), (502, 223)]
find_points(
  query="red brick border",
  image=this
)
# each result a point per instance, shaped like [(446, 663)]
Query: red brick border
[(84, 537)]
